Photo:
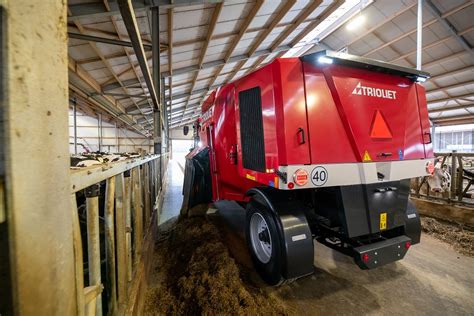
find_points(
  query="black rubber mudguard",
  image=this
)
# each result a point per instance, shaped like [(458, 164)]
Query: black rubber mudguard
[(412, 224), (294, 230), (197, 186)]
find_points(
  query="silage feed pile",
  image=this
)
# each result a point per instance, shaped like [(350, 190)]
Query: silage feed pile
[(195, 274), (459, 236)]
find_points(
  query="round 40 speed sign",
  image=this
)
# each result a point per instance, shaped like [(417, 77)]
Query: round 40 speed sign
[(319, 176)]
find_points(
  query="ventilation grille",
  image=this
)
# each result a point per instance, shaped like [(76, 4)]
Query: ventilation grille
[(251, 129)]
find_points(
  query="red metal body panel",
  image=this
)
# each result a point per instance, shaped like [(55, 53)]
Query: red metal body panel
[(228, 179), (424, 120), (329, 141), (325, 104), (290, 110), (357, 112)]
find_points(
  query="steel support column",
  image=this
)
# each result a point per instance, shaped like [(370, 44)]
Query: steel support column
[(74, 110), (165, 115), (157, 116), (104, 40), (449, 27), (99, 126), (130, 21), (419, 32)]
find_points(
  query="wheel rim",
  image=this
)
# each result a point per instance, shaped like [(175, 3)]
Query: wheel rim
[(260, 238)]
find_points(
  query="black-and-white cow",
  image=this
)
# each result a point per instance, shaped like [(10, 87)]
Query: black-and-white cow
[(440, 180)]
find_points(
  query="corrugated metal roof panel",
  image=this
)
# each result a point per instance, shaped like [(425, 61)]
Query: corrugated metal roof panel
[(191, 24)]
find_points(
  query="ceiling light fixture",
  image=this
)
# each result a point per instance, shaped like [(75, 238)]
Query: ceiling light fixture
[(342, 14), (356, 22)]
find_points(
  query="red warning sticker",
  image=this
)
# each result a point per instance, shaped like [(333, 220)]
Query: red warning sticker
[(300, 177)]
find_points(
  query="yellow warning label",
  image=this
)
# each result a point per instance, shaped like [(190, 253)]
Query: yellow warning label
[(383, 221), (367, 156), (250, 177)]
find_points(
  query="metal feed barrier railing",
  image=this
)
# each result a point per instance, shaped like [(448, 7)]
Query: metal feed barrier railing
[(132, 188), (461, 166)]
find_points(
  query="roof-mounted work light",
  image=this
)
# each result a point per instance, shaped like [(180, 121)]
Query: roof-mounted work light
[(421, 79), (331, 57), (324, 60)]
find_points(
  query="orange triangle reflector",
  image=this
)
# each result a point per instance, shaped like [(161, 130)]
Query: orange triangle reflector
[(380, 127)]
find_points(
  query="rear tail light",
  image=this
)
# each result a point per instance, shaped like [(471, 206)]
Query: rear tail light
[(407, 245), (365, 257), (300, 177), (430, 168)]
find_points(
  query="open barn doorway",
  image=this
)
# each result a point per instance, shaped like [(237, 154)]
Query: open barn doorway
[(180, 148), (175, 176)]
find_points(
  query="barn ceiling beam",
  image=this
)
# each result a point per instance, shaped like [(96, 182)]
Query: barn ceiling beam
[(458, 121), (427, 24), (187, 94), (113, 35), (313, 5), (221, 36), (210, 31), (404, 57), (452, 98), (454, 117), (104, 40), (186, 121), (124, 95), (181, 109), (105, 61), (103, 102), (96, 59), (129, 57), (399, 13), (310, 27), (453, 86), (380, 24), (243, 28), (263, 35), (450, 108), (135, 81), (451, 29), (116, 85), (274, 22), (89, 10), (130, 21), (225, 35), (447, 58), (170, 59), (452, 73), (441, 60), (424, 48)]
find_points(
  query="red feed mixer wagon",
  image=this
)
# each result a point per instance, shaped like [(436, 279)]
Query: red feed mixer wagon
[(320, 147)]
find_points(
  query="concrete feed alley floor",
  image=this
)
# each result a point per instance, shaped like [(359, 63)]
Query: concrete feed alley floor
[(432, 279), (174, 190)]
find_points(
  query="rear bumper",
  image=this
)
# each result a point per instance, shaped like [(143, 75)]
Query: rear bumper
[(380, 253), (341, 174)]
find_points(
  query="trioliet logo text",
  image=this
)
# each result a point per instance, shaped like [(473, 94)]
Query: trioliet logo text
[(374, 92)]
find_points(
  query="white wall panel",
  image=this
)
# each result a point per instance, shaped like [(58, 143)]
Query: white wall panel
[(113, 139)]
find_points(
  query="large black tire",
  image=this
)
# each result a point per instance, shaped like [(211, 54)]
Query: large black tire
[(269, 262)]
